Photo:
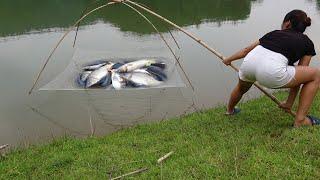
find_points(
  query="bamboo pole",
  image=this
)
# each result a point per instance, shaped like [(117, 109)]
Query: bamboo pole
[(60, 41), (202, 43)]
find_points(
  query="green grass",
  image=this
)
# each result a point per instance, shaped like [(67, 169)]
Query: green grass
[(257, 143)]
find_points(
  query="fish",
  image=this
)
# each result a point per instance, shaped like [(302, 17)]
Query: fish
[(117, 65), (117, 81), (106, 81), (155, 72), (82, 78), (129, 67), (98, 75), (160, 65), (141, 79), (95, 66), (158, 72), (140, 73)]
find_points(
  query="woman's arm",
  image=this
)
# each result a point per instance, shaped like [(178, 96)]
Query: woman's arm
[(240, 54), (305, 61)]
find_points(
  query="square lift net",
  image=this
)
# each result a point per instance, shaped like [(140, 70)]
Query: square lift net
[(127, 106)]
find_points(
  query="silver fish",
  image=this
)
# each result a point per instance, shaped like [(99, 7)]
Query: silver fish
[(94, 66), (157, 72), (129, 67), (117, 65), (105, 82), (82, 78), (117, 81), (154, 71), (141, 71), (141, 79), (161, 65), (96, 76)]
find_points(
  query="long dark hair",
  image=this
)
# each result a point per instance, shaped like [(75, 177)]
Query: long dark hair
[(298, 19)]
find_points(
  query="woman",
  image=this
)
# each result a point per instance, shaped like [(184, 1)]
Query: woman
[(270, 61)]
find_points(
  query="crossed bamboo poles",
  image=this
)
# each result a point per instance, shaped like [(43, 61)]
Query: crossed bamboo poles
[(127, 2)]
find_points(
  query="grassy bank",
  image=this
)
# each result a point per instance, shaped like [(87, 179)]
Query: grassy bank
[(258, 143)]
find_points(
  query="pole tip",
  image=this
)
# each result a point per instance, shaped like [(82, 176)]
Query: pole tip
[(118, 1)]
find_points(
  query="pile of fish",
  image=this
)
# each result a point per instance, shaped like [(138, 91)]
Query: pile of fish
[(107, 74)]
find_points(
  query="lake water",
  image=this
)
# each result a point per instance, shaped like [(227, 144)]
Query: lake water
[(30, 29)]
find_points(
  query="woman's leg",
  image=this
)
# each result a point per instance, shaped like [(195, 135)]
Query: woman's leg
[(237, 93), (310, 78)]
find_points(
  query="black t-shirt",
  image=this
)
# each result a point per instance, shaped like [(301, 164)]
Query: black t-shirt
[(293, 45)]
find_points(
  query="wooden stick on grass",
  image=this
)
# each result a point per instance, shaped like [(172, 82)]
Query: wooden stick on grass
[(160, 160), (131, 173), (272, 97)]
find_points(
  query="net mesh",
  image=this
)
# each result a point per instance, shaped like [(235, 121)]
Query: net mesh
[(128, 106)]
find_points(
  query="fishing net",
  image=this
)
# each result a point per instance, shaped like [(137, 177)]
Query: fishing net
[(127, 106)]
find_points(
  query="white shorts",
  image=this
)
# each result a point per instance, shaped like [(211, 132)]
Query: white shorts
[(269, 68)]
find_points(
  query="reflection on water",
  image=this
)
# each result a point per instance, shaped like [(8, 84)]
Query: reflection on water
[(45, 114), (24, 15)]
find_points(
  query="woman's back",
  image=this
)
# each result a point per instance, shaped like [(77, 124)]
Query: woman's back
[(290, 43)]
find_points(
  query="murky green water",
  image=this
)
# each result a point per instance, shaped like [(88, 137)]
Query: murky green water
[(30, 29)]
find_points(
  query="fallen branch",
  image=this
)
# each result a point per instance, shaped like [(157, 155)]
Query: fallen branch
[(131, 173), (160, 160)]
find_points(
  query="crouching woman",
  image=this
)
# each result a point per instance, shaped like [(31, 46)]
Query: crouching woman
[(270, 61)]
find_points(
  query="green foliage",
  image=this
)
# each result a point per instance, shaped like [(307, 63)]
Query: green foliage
[(260, 142)]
